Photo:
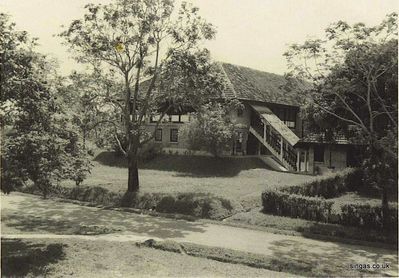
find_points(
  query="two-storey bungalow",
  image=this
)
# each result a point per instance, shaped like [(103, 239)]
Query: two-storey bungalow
[(269, 126)]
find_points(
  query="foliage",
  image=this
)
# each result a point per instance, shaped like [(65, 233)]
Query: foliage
[(310, 201), (366, 215), (42, 145), (210, 129), (312, 229), (142, 42), (285, 204), (149, 151), (354, 76), (193, 204), (331, 187), (91, 107)]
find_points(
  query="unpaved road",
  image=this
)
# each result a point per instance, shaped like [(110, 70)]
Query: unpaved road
[(28, 216)]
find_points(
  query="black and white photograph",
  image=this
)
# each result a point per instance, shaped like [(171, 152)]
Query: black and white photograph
[(199, 138)]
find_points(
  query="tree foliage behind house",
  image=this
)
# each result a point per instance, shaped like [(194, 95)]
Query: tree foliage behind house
[(210, 129), (354, 72), (40, 144)]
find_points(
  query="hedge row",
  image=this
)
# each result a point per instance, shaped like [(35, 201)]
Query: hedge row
[(366, 215), (348, 180), (194, 204), (297, 206), (319, 209)]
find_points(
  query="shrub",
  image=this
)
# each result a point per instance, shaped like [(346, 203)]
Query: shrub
[(309, 202), (210, 129), (366, 215), (293, 205), (348, 180), (149, 151), (194, 204)]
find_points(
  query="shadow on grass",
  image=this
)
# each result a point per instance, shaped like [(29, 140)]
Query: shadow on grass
[(19, 258), (197, 166), (332, 259), (62, 218)]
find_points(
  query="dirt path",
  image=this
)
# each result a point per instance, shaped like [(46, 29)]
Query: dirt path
[(30, 216)]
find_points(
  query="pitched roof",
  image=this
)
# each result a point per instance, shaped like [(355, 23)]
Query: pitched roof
[(250, 84)]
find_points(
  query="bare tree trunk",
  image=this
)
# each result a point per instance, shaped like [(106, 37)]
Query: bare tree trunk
[(133, 176), (84, 139)]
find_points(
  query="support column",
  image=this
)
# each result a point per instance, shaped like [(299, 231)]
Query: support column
[(298, 161), (281, 147), (306, 160)]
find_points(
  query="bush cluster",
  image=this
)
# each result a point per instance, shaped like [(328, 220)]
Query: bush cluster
[(194, 204), (150, 151), (366, 215), (297, 206), (310, 202), (348, 180)]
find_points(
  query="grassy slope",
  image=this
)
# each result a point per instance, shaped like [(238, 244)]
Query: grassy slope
[(241, 179), (85, 258)]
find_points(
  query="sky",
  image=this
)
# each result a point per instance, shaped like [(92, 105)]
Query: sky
[(252, 33)]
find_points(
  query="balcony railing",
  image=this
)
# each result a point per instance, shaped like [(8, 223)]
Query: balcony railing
[(273, 140)]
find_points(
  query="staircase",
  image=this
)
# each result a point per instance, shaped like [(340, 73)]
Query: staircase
[(277, 138), (271, 162)]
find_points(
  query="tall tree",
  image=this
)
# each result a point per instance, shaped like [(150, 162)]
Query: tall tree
[(40, 143), (354, 75), (141, 40), (90, 105)]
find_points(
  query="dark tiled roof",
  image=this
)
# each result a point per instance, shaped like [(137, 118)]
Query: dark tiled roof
[(250, 84)]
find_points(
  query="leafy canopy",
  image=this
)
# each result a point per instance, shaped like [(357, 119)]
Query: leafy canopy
[(40, 143)]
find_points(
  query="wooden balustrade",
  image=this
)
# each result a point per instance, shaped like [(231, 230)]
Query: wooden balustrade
[(273, 139)]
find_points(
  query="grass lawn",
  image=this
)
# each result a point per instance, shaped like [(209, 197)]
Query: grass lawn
[(242, 179), (312, 229), (86, 258)]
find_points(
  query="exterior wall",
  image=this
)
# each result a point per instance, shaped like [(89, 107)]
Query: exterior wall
[(335, 158), (239, 146), (166, 127), (338, 161)]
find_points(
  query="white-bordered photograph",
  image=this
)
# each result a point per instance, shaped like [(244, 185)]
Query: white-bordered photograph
[(199, 138)]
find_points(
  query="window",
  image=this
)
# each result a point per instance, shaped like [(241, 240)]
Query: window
[(290, 117), (158, 135), (174, 135), (319, 153), (184, 118), (290, 124), (174, 118)]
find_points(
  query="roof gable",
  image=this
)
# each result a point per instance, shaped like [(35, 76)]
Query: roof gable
[(250, 84)]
